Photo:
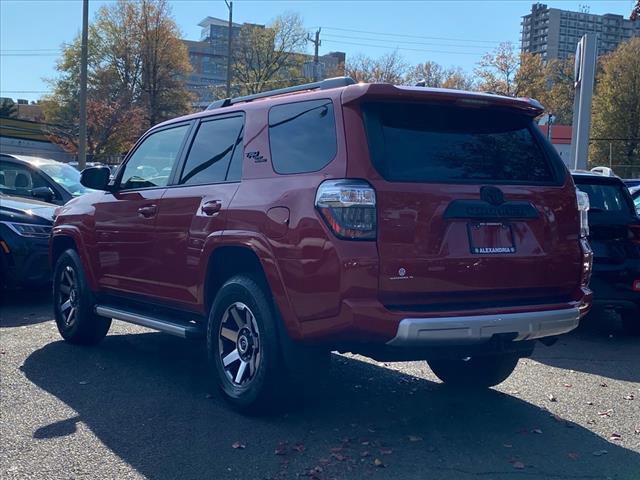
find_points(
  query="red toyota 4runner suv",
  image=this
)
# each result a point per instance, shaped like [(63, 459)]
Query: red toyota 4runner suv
[(401, 223)]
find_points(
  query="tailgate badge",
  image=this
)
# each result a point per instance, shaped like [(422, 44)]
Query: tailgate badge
[(402, 275), (492, 195)]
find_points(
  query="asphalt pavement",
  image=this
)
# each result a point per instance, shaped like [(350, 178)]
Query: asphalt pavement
[(140, 405)]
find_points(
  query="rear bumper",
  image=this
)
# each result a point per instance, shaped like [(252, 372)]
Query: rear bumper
[(460, 330)]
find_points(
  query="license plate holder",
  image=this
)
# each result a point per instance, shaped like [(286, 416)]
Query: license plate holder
[(491, 238)]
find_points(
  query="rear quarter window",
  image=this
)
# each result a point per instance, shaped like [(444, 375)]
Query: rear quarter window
[(302, 136), (414, 142)]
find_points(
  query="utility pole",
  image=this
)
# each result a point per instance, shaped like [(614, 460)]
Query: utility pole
[(316, 44), (82, 140), (229, 39)]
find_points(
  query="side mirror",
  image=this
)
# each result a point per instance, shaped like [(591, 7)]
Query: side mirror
[(43, 193), (96, 178)]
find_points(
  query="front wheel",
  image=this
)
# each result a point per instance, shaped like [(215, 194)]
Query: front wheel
[(475, 372), (73, 303)]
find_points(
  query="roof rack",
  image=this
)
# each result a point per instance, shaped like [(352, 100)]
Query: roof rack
[(321, 85)]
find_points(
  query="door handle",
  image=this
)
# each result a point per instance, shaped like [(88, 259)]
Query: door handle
[(212, 207), (148, 211)]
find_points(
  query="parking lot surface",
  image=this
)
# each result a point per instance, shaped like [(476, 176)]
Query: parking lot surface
[(139, 405)]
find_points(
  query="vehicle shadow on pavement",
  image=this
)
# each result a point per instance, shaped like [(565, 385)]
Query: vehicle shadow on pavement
[(26, 306), (147, 398), (587, 350)]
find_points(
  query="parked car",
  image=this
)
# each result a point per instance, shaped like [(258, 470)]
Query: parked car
[(396, 222), (614, 235), (25, 227), (635, 196), (635, 182), (44, 179)]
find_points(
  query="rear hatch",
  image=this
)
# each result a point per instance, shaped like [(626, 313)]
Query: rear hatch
[(475, 209)]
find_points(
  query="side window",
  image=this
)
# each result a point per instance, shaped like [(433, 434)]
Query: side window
[(214, 153), (152, 162), (302, 136), (19, 180)]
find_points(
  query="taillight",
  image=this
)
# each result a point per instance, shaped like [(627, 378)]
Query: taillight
[(636, 285), (634, 233), (349, 208), (587, 262), (583, 211)]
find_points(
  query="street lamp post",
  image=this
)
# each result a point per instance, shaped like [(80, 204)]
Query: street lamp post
[(82, 134)]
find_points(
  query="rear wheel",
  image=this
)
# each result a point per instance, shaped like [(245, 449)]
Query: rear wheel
[(243, 347), (477, 372), (73, 303)]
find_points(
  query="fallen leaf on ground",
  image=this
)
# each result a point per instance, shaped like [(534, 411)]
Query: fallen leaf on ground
[(238, 445), (568, 385), (536, 430), (606, 413), (339, 457), (599, 453), (629, 397), (378, 463), (518, 465), (83, 382), (299, 447), (386, 451), (615, 436), (415, 438), (281, 449), (589, 403), (552, 397), (603, 384), (573, 455), (507, 445)]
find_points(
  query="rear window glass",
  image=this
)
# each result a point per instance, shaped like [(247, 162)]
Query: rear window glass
[(435, 143), (606, 198), (302, 136)]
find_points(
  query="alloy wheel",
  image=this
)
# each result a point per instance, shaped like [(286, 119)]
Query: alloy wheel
[(239, 344), (68, 296)]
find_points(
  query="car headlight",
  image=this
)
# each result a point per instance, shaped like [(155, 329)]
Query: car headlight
[(29, 229)]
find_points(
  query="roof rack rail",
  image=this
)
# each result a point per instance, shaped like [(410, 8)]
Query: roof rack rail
[(321, 85)]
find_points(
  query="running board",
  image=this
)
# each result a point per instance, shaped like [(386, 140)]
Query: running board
[(178, 328)]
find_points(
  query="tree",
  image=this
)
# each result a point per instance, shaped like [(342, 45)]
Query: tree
[(265, 58), (388, 68), (497, 71), (616, 109), (560, 90), (164, 61), (435, 75), (635, 14), (8, 108), (135, 63), (530, 79)]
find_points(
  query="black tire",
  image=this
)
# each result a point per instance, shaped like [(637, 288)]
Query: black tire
[(474, 372), (243, 309), (73, 303)]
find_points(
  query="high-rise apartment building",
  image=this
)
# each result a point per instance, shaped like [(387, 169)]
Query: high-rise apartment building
[(554, 33)]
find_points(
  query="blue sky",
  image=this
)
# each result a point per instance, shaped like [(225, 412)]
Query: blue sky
[(452, 33)]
